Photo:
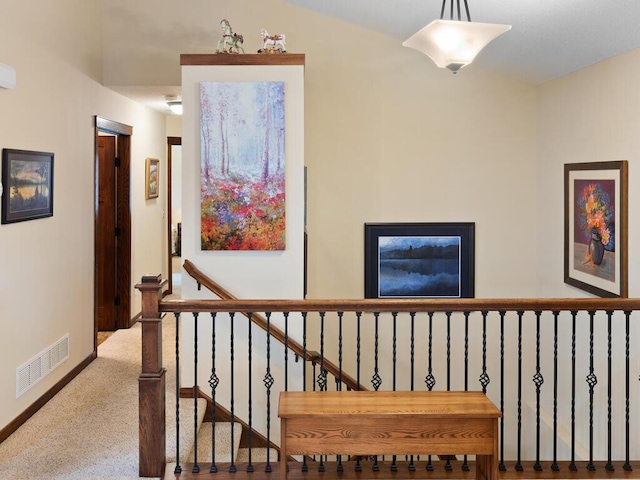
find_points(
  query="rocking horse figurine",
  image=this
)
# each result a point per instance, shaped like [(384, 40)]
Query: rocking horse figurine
[(272, 43), (230, 42)]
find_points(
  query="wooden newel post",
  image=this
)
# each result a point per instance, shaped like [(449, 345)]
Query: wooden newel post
[(151, 383)]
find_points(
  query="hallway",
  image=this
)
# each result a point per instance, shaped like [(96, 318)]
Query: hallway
[(90, 429)]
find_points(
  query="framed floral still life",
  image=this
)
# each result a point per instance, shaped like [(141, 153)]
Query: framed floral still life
[(419, 260), (151, 178), (27, 178), (595, 227)]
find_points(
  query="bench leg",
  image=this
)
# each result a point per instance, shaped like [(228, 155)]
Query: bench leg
[(486, 467), (283, 449)]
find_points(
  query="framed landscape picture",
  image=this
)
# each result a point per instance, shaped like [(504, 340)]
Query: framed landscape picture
[(595, 227), (419, 260), (27, 179)]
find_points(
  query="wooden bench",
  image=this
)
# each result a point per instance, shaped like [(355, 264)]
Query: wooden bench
[(390, 423)]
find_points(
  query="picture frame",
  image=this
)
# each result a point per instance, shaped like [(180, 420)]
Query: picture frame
[(595, 227), (419, 260), (152, 178), (27, 179)]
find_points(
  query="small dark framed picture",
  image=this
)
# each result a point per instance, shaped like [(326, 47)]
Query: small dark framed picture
[(595, 227), (27, 179), (419, 260)]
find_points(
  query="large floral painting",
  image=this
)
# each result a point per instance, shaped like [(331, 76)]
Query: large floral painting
[(595, 227), (242, 166)]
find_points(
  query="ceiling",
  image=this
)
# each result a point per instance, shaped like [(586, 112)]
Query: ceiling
[(549, 38)]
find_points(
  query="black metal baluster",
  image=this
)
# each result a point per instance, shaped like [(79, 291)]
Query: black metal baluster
[(572, 464), (627, 465), (268, 383), (340, 467), (376, 381), (313, 363), (340, 315), (592, 380), (322, 376), (213, 383), (232, 467), (484, 377), (412, 467), (609, 465), (394, 348), (178, 468), (519, 452), (501, 465), (465, 465), (196, 467), (286, 351), (358, 467), (448, 466), (305, 467), (430, 380), (250, 348), (538, 380), (554, 465)]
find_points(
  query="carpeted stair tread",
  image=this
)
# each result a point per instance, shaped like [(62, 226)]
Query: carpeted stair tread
[(223, 442), (186, 428), (258, 455)]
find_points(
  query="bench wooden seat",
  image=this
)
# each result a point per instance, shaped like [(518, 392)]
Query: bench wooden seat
[(391, 423)]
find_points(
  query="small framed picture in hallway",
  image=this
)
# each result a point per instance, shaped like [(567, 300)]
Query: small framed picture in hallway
[(152, 178), (419, 260), (27, 179)]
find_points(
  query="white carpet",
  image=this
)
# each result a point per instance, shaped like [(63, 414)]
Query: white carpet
[(90, 429)]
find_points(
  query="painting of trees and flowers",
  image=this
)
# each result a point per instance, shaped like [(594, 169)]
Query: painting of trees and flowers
[(595, 228), (28, 185), (242, 166)]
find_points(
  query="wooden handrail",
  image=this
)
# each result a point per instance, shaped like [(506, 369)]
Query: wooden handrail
[(402, 305), (261, 322)]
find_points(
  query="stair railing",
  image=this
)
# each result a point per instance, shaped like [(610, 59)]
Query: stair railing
[(310, 356), (585, 320)]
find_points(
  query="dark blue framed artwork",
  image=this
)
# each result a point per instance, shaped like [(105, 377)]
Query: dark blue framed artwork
[(419, 260)]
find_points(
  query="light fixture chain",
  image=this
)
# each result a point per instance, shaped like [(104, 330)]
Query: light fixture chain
[(466, 7), (457, 7)]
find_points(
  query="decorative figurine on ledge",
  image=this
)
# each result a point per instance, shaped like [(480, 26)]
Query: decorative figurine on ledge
[(272, 43), (230, 42)]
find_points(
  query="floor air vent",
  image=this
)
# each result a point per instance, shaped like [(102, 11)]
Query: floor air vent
[(30, 373)]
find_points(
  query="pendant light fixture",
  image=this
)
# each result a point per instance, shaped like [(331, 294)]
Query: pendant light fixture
[(451, 43), (174, 103)]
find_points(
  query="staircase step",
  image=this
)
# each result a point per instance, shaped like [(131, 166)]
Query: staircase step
[(223, 442), (187, 435), (258, 455)]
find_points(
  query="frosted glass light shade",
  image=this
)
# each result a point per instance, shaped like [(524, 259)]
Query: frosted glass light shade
[(453, 44), (176, 107)]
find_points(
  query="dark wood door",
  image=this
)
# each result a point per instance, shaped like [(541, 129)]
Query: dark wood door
[(106, 246)]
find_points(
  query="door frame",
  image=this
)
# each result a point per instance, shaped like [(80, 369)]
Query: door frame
[(123, 135), (171, 141)]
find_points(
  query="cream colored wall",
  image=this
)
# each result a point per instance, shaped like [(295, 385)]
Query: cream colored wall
[(174, 125), (589, 116), (46, 273), (391, 138)]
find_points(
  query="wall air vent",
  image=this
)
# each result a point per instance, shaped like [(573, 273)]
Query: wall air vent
[(31, 372)]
